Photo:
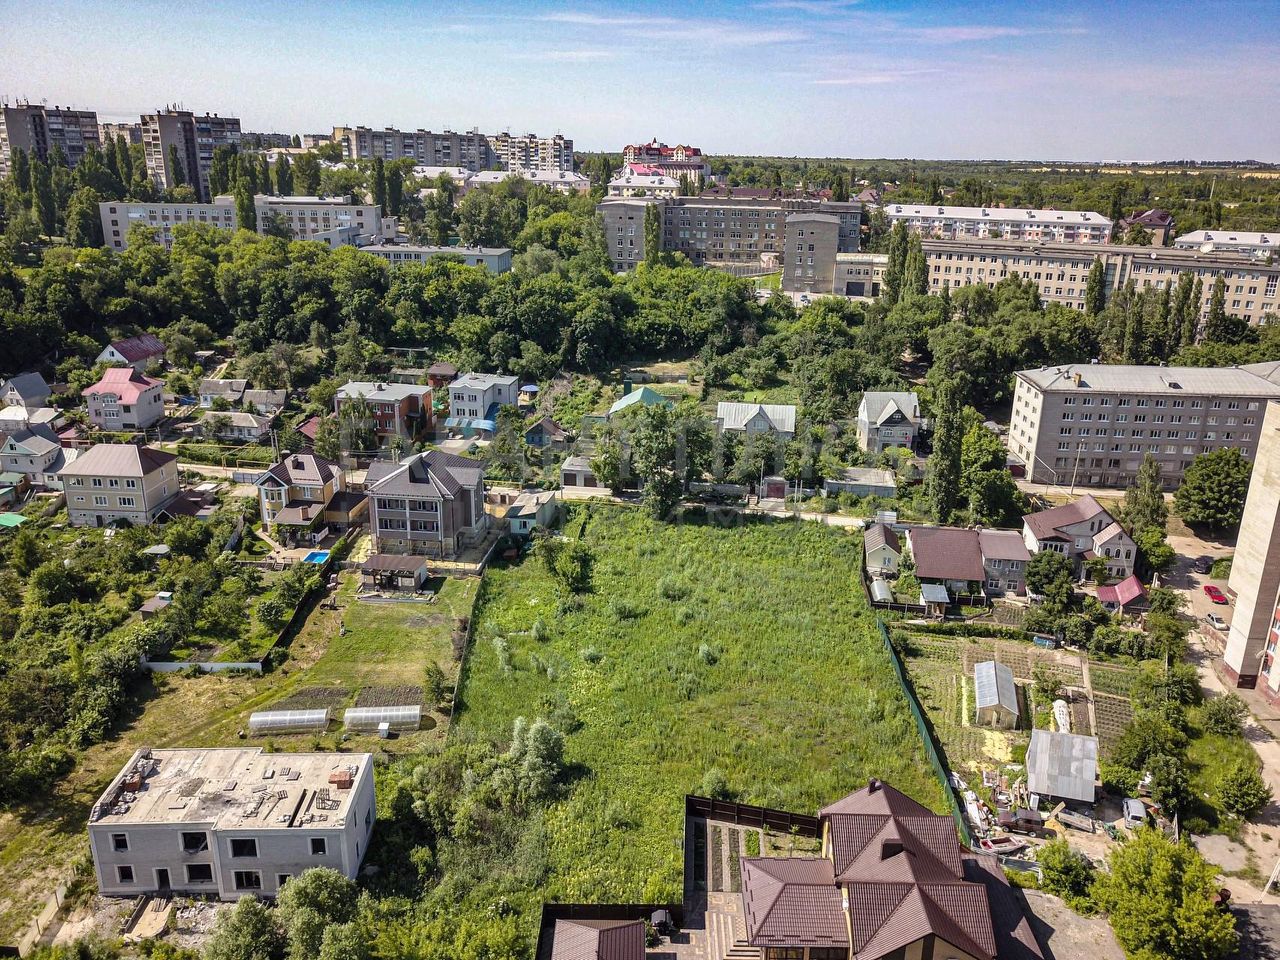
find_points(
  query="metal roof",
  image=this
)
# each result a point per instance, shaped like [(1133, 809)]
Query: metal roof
[(993, 686), (934, 593), (1131, 379), (1063, 765)]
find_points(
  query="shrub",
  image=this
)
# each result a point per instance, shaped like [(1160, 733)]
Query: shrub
[(591, 655), (1242, 791), (503, 651), (1068, 874), (708, 654), (1224, 715), (625, 610), (671, 588), (714, 785)]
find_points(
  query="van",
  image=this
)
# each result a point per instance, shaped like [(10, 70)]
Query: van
[(1135, 813)]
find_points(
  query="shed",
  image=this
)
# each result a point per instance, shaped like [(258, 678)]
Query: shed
[(576, 472), (385, 571), (935, 598), (1123, 596), (156, 604), (1062, 765), (862, 482), (995, 695), (598, 940)]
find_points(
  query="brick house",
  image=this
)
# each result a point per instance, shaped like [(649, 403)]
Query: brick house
[(396, 409), (431, 504)]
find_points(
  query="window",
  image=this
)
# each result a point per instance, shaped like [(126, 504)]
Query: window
[(282, 879), (119, 842), (199, 873), (195, 842), (244, 847), (318, 846), (124, 873), (248, 880)]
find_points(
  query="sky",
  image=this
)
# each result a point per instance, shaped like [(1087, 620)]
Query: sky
[(930, 79)]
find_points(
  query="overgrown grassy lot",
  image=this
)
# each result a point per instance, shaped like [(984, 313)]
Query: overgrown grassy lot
[(746, 649)]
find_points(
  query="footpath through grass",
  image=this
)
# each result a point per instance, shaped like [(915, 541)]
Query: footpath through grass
[(748, 650)]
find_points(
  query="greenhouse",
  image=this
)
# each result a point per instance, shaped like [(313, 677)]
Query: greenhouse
[(287, 721), (371, 718)]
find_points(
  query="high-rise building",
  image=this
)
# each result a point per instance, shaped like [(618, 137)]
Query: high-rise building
[(531, 152), (194, 138), (444, 149), (132, 132), (37, 129)]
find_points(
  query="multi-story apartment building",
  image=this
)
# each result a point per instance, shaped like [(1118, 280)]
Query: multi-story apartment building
[(531, 152), (1092, 424), (1250, 657), (261, 141), (110, 482), (743, 231), (444, 149), (561, 181), (1250, 244), (476, 396), (310, 217), (496, 259), (109, 132), (312, 140), (644, 182), (676, 162), (124, 399), (429, 505), (37, 129), (229, 821), (1001, 223), (194, 137), (395, 409)]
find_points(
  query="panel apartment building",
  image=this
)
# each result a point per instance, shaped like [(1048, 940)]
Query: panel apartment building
[(532, 152), (1249, 243), (194, 137), (36, 129), (746, 232), (230, 821), (1001, 223), (444, 149), (1092, 424)]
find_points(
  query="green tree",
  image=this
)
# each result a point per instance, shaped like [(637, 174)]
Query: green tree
[(1049, 576), (1220, 326), (895, 269), (26, 552), (284, 176), (1137, 236), (310, 902), (573, 565), (1179, 308), (915, 270), (1223, 715), (307, 174), (45, 206), (328, 439), (1191, 328), (84, 220), (1144, 504), (1067, 874), (1170, 788), (652, 234), (378, 183), (247, 932), (246, 213), (395, 191), (1241, 791), (177, 172), (945, 460), (840, 189), (434, 682), (343, 941), (1159, 897), (1213, 489)]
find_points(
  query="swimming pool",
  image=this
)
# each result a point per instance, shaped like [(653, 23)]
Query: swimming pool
[(316, 556)]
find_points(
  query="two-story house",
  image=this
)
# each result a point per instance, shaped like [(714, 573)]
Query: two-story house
[(888, 419), (125, 399), (303, 492), (137, 352), (213, 389), (26, 390), (1081, 531), (34, 452), (394, 409), (1005, 558), (775, 418), (431, 504), (474, 399), (114, 482)]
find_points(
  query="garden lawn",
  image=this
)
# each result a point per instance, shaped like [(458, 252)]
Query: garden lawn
[(748, 649)]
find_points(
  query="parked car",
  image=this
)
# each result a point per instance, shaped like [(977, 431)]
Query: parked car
[(1202, 564), (1135, 812), (1215, 621), (1214, 594), (1021, 821)]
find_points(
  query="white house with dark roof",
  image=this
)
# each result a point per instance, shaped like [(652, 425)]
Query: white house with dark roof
[(776, 418), (26, 390), (1080, 531), (34, 452), (431, 504), (888, 419), (883, 550), (213, 389), (135, 352)]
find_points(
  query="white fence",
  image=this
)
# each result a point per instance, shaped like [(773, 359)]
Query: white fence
[(175, 666)]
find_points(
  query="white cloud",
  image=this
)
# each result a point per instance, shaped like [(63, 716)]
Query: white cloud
[(873, 78), (714, 32), (960, 33), (816, 7), (565, 56)]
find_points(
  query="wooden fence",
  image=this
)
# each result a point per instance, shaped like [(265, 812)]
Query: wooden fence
[(745, 814)]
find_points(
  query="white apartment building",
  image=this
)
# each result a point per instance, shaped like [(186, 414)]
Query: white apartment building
[(532, 152), (444, 149), (984, 223), (562, 181), (1250, 244), (473, 395), (496, 259), (1092, 424), (231, 821), (111, 482), (654, 184)]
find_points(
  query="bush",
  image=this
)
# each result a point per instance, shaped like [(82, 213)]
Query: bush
[(670, 588), (1224, 715), (1242, 791), (591, 655), (714, 785), (1067, 874)]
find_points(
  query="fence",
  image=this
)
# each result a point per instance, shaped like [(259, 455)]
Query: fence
[(34, 930), (175, 666), (801, 824), (926, 735)]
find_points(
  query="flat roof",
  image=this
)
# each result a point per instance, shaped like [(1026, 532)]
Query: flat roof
[(1231, 238), (231, 788), (1170, 381), (432, 251), (1001, 214)]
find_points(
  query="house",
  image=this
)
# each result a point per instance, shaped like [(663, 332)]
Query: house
[(1080, 531), (156, 605), (303, 493), (1062, 766), (198, 822), (36, 454), (230, 391), (891, 882), (387, 571), (646, 396), (862, 482), (548, 434), (431, 504), (598, 940), (13, 487), (17, 417), (1004, 559), (136, 352), (995, 695), (576, 472), (114, 482), (235, 425), (775, 418), (124, 399), (394, 409), (882, 549), (310, 427), (475, 398), (441, 374), (888, 419), (266, 403), (26, 390), (532, 508), (1159, 223), (1122, 597), (948, 556)]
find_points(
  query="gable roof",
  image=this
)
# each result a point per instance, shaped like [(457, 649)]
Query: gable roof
[(880, 405), (946, 553), (792, 900), (230, 389), (642, 395), (142, 347), (1124, 593), (1062, 765), (125, 382), (598, 940), (29, 386), (303, 468), (1002, 545), (881, 535), (267, 398), (118, 460), (237, 418), (433, 474), (993, 686), (36, 438), (548, 427), (1048, 524), (736, 416)]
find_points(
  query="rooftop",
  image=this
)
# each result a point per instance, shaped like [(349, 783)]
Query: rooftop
[(879, 405), (1168, 381), (998, 214), (736, 416), (1047, 523), (118, 460), (1062, 765), (993, 686), (233, 788), (387, 392), (427, 250), (482, 381), (141, 347), (946, 553), (1230, 238)]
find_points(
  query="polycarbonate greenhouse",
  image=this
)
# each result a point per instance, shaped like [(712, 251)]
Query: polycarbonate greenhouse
[(287, 721), (369, 718)]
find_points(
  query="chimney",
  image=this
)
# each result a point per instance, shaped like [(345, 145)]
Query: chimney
[(1077, 378), (873, 785)]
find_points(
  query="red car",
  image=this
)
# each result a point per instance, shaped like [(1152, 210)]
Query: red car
[(1214, 594)]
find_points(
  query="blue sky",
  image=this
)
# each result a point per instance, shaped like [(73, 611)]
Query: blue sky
[(854, 78)]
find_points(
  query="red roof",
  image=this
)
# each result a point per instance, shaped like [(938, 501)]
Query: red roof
[(598, 940), (125, 382), (1123, 593), (308, 429), (947, 553), (142, 347)]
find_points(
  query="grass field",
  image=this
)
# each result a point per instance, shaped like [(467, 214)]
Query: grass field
[(748, 650)]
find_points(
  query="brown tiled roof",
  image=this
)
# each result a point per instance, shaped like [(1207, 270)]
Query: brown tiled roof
[(598, 940), (1046, 524), (303, 468), (792, 901), (881, 535), (1002, 545), (920, 849), (947, 553), (877, 797), (139, 347)]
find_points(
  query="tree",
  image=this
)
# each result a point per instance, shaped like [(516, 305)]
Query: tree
[(1213, 489), (1067, 874), (343, 941), (45, 206), (1049, 576), (1095, 291), (378, 183), (84, 221), (395, 191), (1170, 788), (945, 461), (247, 932), (284, 176), (1144, 504), (1159, 896), (1223, 715), (894, 272), (310, 902), (246, 212), (1241, 791), (1137, 235), (434, 682), (1191, 330), (840, 189), (652, 234), (26, 552), (177, 172), (306, 174), (328, 440), (573, 565), (915, 271)]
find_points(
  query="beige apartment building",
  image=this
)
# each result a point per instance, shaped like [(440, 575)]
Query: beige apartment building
[(36, 129), (1248, 243), (132, 132), (444, 149), (531, 152), (194, 137), (1000, 223), (1092, 424), (1250, 655), (111, 482)]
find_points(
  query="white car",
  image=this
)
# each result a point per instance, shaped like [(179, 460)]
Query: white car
[(1215, 621)]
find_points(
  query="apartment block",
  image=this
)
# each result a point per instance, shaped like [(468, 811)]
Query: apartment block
[(132, 132), (532, 152), (111, 482), (496, 259), (194, 137), (1092, 424), (1001, 223), (561, 181), (263, 141), (1250, 655), (676, 162), (1250, 244), (644, 182), (230, 821), (444, 149), (37, 129)]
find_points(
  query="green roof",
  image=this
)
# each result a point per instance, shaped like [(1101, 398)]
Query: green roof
[(12, 519), (642, 395)]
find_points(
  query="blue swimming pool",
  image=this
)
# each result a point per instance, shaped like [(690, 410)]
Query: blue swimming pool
[(316, 556)]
